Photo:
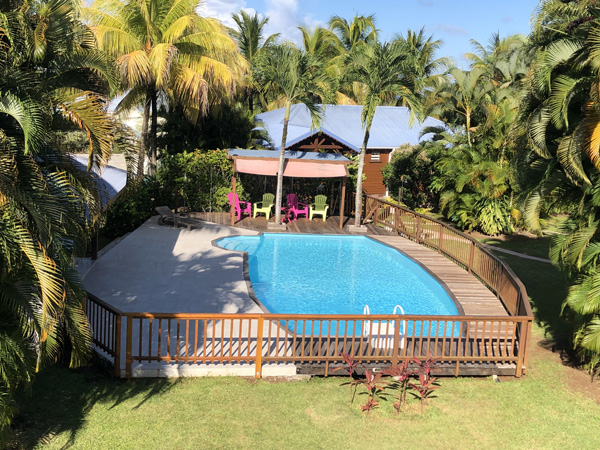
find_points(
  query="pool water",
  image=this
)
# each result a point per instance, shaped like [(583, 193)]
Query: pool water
[(316, 274)]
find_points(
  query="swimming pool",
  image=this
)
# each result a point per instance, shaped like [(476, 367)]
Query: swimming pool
[(317, 274)]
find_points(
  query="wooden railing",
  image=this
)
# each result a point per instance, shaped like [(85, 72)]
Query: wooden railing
[(134, 339), (105, 325), (137, 338), (458, 247)]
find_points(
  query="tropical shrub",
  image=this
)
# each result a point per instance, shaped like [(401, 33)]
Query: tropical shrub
[(410, 172), (200, 179), (52, 80), (135, 205), (411, 376)]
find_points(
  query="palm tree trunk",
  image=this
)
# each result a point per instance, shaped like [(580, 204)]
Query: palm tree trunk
[(279, 195), (251, 100), (153, 133), (359, 180), (144, 136), (468, 118)]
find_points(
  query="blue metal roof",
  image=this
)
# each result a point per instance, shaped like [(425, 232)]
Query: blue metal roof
[(110, 182), (390, 128), (307, 156)]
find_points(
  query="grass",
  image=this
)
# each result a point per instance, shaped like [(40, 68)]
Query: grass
[(85, 409), (546, 285), (88, 411)]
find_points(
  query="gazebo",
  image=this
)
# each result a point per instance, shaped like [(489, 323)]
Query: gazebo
[(297, 164)]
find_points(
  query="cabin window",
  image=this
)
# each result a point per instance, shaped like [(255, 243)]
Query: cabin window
[(375, 156)]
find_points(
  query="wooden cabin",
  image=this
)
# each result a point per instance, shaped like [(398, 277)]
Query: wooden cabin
[(341, 132)]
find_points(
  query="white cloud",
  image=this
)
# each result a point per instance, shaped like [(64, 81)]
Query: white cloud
[(223, 9), (284, 19)]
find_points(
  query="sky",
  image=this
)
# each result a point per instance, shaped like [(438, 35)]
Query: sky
[(455, 22)]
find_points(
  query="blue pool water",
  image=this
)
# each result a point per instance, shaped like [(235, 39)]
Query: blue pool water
[(312, 274)]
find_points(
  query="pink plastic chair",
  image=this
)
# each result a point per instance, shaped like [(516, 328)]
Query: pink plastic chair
[(293, 206), (239, 206)]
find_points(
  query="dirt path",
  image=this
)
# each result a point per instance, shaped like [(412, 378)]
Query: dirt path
[(520, 255)]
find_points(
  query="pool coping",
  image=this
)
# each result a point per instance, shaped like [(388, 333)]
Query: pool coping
[(251, 293)]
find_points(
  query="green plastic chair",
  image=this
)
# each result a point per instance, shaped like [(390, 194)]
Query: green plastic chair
[(319, 207), (264, 206)]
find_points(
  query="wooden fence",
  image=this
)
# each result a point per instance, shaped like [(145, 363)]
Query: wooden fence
[(131, 339), (455, 245)]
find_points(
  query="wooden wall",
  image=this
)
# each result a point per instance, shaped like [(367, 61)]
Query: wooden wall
[(373, 184)]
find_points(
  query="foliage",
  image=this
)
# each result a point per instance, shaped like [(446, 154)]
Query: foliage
[(135, 205), (382, 70), (201, 179), (178, 134), (401, 375), (560, 167), (250, 40), (52, 79), (374, 387), (410, 171), (165, 47), (351, 365)]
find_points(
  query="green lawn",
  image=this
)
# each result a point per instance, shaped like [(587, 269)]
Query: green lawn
[(91, 411), (546, 286), (86, 409)]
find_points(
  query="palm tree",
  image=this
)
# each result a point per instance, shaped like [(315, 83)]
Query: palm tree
[(462, 98), (381, 69), (250, 40), (295, 77), (51, 79), (425, 67), (560, 110), (164, 47), (360, 31)]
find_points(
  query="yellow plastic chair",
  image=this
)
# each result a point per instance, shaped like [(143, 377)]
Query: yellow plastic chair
[(319, 207), (265, 206)]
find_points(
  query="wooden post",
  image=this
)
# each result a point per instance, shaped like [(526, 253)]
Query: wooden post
[(396, 347), (471, 257), (418, 233), (526, 345), (117, 357), (259, 348), (441, 238), (396, 214), (343, 203), (128, 346), (523, 341), (233, 187)]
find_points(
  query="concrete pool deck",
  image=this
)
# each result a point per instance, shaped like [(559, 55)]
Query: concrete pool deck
[(161, 269)]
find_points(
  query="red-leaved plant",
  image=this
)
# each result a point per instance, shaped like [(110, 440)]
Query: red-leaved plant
[(374, 386), (401, 376), (351, 366), (424, 389), (427, 384)]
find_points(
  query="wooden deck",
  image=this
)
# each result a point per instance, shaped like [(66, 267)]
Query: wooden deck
[(302, 225), (472, 295)]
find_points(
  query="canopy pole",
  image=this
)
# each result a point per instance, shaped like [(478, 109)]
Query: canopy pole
[(343, 200), (233, 186)]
